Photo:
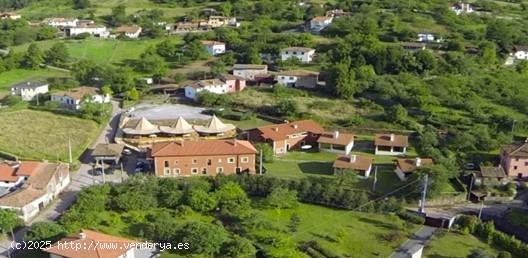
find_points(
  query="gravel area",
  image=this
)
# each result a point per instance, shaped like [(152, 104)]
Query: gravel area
[(168, 111)]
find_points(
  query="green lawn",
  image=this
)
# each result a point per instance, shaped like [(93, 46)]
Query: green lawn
[(11, 77), (450, 244), (363, 232), (102, 50), (518, 218), (47, 8), (40, 135)]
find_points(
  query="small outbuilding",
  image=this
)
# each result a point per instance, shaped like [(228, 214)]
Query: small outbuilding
[(108, 153)]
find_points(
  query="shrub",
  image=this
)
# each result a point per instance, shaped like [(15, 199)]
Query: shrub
[(411, 217)]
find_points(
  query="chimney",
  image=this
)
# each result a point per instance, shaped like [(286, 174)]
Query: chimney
[(276, 129), (295, 126), (526, 140), (336, 134), (353, 158), (82, 235), (391, 137), (418, 162)]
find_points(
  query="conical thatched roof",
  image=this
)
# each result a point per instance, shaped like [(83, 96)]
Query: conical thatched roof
[(181, 127), (214, 125), (143, 127)]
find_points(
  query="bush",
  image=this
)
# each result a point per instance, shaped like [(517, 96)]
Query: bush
[(411, 217), (467, 224)]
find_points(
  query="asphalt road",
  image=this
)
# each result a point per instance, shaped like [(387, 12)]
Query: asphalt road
[(419, 238)]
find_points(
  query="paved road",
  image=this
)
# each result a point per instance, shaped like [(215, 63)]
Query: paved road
[(419, 238), (80, 179)]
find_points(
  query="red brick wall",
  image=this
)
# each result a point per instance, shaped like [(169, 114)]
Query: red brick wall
[(186, 164)]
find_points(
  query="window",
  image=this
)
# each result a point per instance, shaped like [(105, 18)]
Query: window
[(175, 162), (194, 171), (526, 163), (194, 161), (176, 171), (219, 170), (514, 167), (295, 52), (231, 160), (209, 162), (166, 163), (244, 160), (516, 159), (291, 78), (166, 171), (204, 171)]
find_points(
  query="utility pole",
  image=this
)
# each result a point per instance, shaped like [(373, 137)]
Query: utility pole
[(424, 193), (121, 172), (70, 150), (470, 187), (481, 208), (260, 163), (375, 178)]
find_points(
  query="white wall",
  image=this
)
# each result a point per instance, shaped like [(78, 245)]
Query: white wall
[(29, 93), (215, 49), (521, 55), (304, 57)]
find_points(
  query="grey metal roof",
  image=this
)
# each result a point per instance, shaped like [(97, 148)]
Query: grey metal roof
[(29, 84)]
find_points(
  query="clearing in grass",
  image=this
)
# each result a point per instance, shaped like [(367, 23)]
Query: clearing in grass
[(39, 135), (451, 244)]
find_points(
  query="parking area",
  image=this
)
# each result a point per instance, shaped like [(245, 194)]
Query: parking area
[(168, 111)]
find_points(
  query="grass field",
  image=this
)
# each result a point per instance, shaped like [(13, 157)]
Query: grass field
[(101, 50), (455, 245), (11, 77), (47, 8), (363, 232), (40, 135)]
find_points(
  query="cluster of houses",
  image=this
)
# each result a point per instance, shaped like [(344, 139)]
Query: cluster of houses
[(27, 187), (212, 22), (9, 16), (73, 27), (70, 99)]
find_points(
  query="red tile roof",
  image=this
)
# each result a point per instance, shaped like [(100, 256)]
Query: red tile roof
[(361, 163), (202, 148), (95, 245), (27, 168), (281, 131), (397, 140), (7, 173), (409, 165), (341, 139)]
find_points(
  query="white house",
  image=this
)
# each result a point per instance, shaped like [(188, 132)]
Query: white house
[(391, 144), (362, 165), (319, 23), (304, 54), (61, 22), (92, 29), (336, 142), (214, 47), (10, 16), (249, 71), (131, 32), (220, 21), (405, 167), (520, 53), (425, 37), (298, 78), (213, 85), (462, 8), (45, 181), (74, 98), (29, 90)]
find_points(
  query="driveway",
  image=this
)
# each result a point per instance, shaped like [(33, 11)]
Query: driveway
[(81, 178), (419, 238)]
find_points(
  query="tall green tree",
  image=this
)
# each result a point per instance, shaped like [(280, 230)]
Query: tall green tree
[(33, 57), (57, 54), (343, 80), (8, 220), (81, 4)]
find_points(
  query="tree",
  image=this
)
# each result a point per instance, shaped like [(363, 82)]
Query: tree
[(267, 152), (202, 201), (206, 238), (281, 198), (9, 220), (132, 94), (397, 113), (218, 68), (238, 247), (81, 4), (295, 220), (45, 231), (287, 107), (487, 53), (33, 57), (480, 253), (232, 201), (151, 62), (57, 54), (118, 16), (343, 80), (46, 32), (107, 90)]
